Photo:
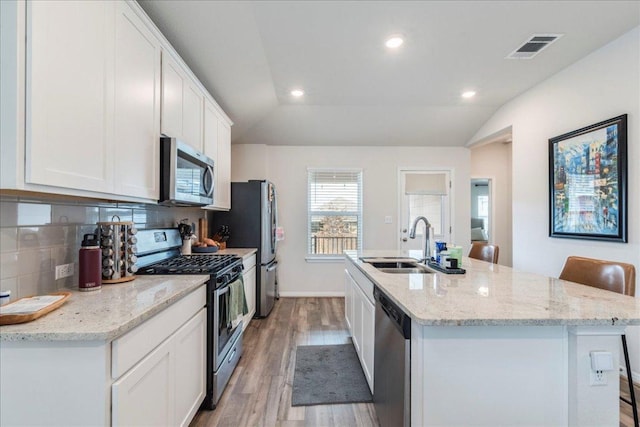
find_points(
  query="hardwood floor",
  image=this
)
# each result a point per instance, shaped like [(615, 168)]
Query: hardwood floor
[(626, 413), (259, 392)]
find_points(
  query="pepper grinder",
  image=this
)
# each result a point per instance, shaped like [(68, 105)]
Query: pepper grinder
[(90, 266)]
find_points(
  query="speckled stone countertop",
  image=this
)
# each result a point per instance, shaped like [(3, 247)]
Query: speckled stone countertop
[(490, 294), (107, 313)]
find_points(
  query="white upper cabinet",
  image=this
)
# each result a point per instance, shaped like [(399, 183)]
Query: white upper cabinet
[(88, 88), (182, 104), (137, 106), (69, 95), (93, 101), (222, 194), (217, 145), (193, 104)]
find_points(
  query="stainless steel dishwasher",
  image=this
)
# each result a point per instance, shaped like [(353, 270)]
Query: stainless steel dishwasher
[(392, 363)]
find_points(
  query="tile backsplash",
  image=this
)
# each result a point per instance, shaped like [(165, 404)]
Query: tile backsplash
[(36, 235)]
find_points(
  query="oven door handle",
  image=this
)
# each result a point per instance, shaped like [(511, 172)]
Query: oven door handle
[(226, 289)]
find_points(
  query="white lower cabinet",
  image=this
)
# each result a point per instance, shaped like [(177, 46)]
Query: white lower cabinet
[(167, 386), (361, 317), (152, 375), (145, 395), (249, 279), (190, 368)]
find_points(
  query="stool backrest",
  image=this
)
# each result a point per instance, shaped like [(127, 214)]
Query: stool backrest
[(484, 252), (608, 275)]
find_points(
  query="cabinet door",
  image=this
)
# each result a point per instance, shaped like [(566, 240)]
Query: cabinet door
[(249, 278), (193, 106), (356, 333), (222, 193), (146, 394), (190, 347), (70, 94), (368, 336), (172, 102), (210, 136), (137, 106), (348, 300)]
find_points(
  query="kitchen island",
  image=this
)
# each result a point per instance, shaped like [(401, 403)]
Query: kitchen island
[(496, 346)]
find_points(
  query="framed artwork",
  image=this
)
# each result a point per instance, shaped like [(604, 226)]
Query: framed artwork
[(588, 182)]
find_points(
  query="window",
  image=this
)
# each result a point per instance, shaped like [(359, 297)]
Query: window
[(429, 206), (483, 211), (334, 212)]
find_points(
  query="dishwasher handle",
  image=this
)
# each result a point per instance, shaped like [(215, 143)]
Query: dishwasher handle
[(398, 317)]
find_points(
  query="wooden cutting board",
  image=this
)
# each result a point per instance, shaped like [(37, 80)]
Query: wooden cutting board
[(30, 308)]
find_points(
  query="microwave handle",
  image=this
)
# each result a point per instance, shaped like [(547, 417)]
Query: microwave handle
[(210, 189)]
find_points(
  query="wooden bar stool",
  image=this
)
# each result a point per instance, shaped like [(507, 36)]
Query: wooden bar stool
[(484, 252), (611, 276)]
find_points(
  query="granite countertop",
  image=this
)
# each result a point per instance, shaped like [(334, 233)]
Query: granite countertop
[(490, 294), (107, 313)]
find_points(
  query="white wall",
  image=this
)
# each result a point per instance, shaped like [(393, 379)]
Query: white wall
[(287, 167), (603, 85), (494, 161)]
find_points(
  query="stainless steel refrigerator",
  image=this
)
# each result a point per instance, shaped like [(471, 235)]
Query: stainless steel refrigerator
[(252, 222)]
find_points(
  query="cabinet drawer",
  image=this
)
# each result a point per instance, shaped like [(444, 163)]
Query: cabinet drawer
[(129, 349), (365, 285)]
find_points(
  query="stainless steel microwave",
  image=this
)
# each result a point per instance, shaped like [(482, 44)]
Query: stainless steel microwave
[(186, 175)]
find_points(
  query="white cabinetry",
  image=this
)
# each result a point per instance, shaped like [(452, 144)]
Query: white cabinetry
[(70, 95), (167, 386), (182, 104), (145, 395), (360, 316), (137, 106), (152, 375), (93, 104), (249, 279), (217, 145)]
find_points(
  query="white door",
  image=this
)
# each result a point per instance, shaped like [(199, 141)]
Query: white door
[(427, 193)]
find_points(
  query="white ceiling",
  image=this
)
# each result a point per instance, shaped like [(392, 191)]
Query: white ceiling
[(250, 55)]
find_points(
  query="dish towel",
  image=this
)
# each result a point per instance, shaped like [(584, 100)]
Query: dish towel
[(237, 302)]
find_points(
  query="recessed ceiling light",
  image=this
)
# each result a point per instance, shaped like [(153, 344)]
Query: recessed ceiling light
[(468, 94), (394, 42), (297, 93)]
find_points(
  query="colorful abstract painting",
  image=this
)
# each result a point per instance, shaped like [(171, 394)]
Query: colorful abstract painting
[(588, 182)]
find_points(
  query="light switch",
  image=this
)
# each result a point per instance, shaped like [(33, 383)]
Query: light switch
[(388, 219), (601, 361)]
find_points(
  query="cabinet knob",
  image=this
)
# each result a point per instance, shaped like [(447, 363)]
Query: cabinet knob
[(404, 230), (404, 239)]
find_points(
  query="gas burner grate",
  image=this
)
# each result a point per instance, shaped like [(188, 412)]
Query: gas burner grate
[(194, 264)]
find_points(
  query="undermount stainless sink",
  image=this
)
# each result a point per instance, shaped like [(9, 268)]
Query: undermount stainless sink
[(397, 265)]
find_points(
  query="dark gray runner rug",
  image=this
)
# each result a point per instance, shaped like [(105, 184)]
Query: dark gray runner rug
[(328, 374)]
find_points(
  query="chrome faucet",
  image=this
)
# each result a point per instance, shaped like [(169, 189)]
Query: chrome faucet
[(412, 235)]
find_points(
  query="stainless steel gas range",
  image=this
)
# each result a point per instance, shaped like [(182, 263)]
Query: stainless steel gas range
[(158, 252)]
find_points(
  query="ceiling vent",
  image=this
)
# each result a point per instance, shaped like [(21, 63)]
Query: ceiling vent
[(533, 46)]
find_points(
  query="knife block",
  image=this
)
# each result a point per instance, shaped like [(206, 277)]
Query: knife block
[(118, 245)]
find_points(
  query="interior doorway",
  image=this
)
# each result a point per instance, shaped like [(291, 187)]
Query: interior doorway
[(491, 160), (481, 210)]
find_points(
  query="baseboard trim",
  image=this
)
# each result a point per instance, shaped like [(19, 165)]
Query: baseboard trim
[(311, 294)]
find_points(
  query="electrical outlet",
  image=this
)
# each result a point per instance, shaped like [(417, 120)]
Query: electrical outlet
[(598, 378), (64, 270)]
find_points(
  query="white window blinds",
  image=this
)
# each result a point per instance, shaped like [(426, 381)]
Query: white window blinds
[(334, 211)]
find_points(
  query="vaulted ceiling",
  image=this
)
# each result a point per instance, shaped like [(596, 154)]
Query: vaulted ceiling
[(251, 54)]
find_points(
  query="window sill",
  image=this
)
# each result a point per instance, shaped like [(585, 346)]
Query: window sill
[(325, 259)]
